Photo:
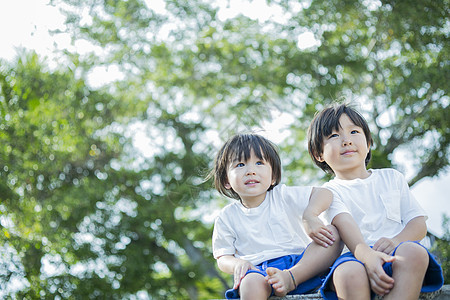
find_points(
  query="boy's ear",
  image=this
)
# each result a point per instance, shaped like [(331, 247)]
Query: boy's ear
[(227, 186), (368, 147), (319, 158)]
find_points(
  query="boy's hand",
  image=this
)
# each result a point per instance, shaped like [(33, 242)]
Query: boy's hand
[(318, 231), (385, 245), (380, 282), (239, 271)]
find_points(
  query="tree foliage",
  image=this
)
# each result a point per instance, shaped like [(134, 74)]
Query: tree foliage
[(87, 213), (441, 248)]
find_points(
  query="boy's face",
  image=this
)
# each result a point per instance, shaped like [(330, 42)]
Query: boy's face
[(345, 150), (250, 179)]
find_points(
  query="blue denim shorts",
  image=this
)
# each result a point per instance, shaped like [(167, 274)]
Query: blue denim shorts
[(283, 263), (433, 280)]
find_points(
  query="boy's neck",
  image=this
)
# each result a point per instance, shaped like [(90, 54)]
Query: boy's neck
[(357, 174), (253, 202)]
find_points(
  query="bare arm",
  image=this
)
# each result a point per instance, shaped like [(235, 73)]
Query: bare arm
[(319, 201), (415, 230), (235, 266), (373, 261)]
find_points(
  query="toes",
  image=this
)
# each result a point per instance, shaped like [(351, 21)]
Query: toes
[(271, 271)]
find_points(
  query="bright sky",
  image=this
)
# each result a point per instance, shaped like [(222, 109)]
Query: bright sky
[(25, 23)]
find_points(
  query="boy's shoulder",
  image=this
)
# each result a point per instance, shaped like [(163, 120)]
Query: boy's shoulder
[(229, 212), (232, 206), (387, 172), (283, 190)]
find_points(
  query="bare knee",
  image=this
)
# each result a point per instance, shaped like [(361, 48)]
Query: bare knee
[(351, 276), (254, 286), (411, 252)]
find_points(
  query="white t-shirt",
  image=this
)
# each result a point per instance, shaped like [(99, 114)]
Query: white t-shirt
[(271, 230), (381, 204)]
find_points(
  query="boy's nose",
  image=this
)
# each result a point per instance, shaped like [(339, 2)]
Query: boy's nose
[(250, 171), (346, 142)]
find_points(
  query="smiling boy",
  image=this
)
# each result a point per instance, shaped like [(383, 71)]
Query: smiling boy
[(261, 239), (376, 215)]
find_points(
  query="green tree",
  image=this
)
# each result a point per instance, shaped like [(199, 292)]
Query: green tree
[(442, 249), (116, 221), (392, 57), (71, 200), (389, 55), (54, 165)]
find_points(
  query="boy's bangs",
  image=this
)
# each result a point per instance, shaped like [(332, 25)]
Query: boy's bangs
[(244, 147), (332, 121), (355, 118), (331, 124)]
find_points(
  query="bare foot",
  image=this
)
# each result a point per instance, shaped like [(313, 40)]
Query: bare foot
[(281, 281)]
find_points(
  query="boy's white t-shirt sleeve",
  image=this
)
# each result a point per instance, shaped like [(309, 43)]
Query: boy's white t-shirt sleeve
[(222, 239), (409, 206), (337, 206), (296, 198)]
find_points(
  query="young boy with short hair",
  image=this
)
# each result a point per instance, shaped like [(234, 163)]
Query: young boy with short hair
[(376, 215), (260, 238)]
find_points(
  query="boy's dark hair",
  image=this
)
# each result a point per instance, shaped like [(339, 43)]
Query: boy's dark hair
[(325, 122), (237, 147)]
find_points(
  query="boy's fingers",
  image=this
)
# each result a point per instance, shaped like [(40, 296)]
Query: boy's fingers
[(377, 289), (383, 246), (384, 280), (328, 237), (323, 241), (388, 258), (238, 275), (328, 233), (237, 279), (328, 230), (382, 284), (376, 245), (380, 248), (237, 282)]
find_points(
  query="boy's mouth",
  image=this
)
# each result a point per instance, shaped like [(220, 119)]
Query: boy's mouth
[(348, 152), (251, 181)]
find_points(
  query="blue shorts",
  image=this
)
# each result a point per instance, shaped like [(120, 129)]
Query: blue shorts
[(283, 263), (433, 280)]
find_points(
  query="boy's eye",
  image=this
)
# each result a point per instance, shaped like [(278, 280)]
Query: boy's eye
[(239, 165), (260, 162), (355, 131), (333, 135)]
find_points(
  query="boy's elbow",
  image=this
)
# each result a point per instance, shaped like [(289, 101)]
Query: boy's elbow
[(224, 264), (220, 262), (420, 226), (424, 226)]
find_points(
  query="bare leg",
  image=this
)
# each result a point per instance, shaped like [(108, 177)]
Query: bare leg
[(351, 281), (408, 271), (254, 286), (316, 260)]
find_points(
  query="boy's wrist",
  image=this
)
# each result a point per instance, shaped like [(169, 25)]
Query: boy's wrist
[(309, 215), (363, 252)]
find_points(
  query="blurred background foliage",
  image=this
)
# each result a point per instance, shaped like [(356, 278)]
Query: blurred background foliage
[(102, 190)]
